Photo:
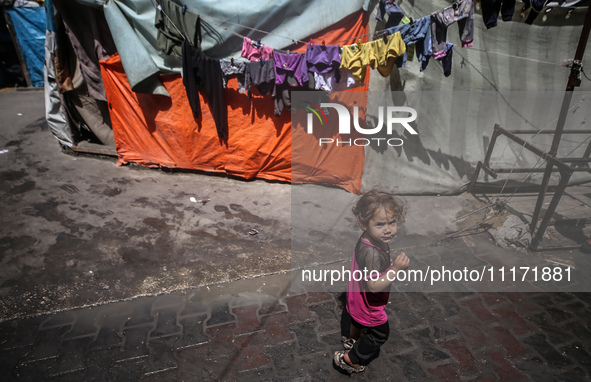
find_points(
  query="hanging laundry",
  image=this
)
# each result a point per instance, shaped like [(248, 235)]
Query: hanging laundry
[(389, 7), (254, 51), (328, 81), (260, 74), (461, 11), (492, 8), (234, 68), (291, 73), (382, 53), (536, 7), (293, 64), (417, 33), (175, 24), (322, 58), (200, 71), (445, 60), (352, 59)]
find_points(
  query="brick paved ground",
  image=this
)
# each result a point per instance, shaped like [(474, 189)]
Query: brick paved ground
[(260, 330)]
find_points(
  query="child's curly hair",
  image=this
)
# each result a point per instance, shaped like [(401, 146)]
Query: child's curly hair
[(372, 201)]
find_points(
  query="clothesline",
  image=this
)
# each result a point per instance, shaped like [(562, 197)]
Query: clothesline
[(295, 41), (513, 56), (377, 34)]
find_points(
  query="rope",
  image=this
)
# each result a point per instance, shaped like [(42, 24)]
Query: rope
[(513, 56)]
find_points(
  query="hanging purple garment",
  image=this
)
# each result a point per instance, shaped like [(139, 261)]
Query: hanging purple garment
[(322, 58), (291, 63)]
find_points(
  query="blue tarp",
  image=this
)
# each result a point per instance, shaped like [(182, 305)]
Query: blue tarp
[(29, 26)]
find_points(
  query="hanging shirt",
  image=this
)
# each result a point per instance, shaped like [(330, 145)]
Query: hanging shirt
[(253, 51), (174, 26), (322, 58), (200, 71), (417, 33), (352, 59), (290, 64), (290, 74), (234, 68), (383, 54), (260, 74)]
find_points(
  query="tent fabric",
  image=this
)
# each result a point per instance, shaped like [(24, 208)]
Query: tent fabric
[(29, 27), (326, 164), (90, 39), (55, 114), (139, 66), (50, 13), (156, 131)]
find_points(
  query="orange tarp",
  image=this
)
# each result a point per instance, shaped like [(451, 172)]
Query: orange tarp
[(156, 131)]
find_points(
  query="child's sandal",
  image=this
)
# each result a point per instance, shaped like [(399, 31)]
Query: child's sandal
[(339, 360), (347, 342)]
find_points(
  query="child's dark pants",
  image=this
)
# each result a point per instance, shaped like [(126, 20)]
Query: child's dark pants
[(366, 346)]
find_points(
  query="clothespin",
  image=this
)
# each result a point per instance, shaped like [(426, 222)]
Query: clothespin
[(412, 21), (340, 49), (311, 43), (359, 44), (288, 53), (184, 8), (232, 61), (324, 43)]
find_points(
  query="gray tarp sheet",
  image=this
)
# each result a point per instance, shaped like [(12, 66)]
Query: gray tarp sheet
[(454, 128), (55, 113)]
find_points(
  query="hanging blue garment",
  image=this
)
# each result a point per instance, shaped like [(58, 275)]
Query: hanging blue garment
[(417, 33), (389, 7)]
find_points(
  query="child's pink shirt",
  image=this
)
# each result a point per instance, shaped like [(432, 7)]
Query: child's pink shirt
[(367, 308)]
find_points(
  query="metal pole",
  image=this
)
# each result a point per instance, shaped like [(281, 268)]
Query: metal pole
[(564, 178), (573, 81)]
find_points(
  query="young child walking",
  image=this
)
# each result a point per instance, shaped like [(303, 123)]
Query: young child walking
[(378, 213)]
